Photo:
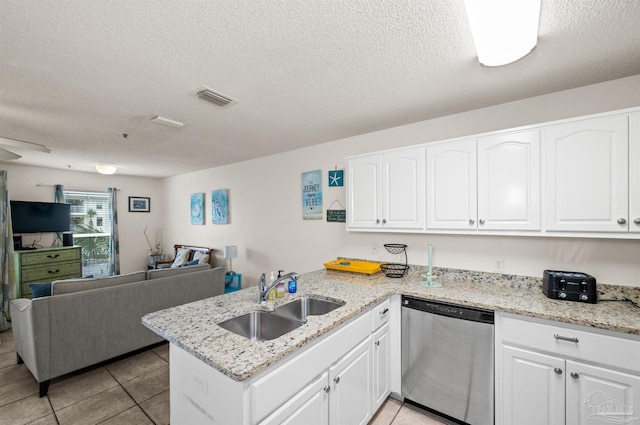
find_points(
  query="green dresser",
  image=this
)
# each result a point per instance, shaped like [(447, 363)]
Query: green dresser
[(46, 265)]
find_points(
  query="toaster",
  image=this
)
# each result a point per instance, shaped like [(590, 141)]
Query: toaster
[(571, 286)]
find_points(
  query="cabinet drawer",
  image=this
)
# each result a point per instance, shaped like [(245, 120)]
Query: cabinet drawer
[(380, 314), (50, 272), (49, 256), (573, 342)]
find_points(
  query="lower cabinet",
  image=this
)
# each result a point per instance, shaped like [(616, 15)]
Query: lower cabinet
[(555, 375), (309, 407), (381, 351), (350, 393)]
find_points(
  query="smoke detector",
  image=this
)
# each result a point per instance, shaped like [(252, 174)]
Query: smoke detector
[(218, 99)]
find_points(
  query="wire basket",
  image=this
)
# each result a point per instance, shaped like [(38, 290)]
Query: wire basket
[(395, 248), (394, 269)]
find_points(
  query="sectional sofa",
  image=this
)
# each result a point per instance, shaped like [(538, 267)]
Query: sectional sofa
[(87, 321)]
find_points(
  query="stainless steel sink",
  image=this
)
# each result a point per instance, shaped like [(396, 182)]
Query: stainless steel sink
[(260, 325), (307, 306)]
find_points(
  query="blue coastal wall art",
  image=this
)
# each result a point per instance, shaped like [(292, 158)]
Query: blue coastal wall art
[(312, 195), (220, 206), (197, 208)]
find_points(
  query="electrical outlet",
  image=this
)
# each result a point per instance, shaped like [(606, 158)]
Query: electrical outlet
[(374, 249), (498, 265)]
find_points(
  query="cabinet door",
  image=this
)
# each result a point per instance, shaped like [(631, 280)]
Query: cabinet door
[(600, 395), (451, 185), (381, 370), (634, 172), (533, 388), (309, 407), (509, 182), (403, 189), (350, 395), (587, 175), (364, 188)]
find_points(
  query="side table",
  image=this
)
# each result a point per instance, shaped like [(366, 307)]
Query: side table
[(232, 282)]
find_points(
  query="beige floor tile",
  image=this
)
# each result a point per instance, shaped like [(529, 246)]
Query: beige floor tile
[(18, 389), (47, 420), (96, 409), (136, 365), (13, 372), (132, 416), (25, 411), (158, 408), (149, 385), (163, 351), (66, 391), (408, 416), (386, 413)]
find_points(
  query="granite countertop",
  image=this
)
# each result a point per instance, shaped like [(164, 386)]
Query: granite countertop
[(193, 327)]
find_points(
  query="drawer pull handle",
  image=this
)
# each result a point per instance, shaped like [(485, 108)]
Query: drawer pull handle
[(53, 256), (575, 375), (383, 312), (558, 371), (566, 338), (53, 271)]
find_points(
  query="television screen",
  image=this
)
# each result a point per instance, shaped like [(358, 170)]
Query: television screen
[(36, 217)]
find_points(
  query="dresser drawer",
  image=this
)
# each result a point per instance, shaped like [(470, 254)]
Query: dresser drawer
[(50, 272), (577, 342), (41, 258)]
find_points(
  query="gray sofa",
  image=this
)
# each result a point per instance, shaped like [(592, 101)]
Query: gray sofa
[(87, 321)]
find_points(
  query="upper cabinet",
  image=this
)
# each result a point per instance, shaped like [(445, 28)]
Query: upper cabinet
[(634, 172), (386, 191), (489, 184), (586, 167)]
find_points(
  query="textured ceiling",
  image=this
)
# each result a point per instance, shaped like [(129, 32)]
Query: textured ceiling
[(76, 74)]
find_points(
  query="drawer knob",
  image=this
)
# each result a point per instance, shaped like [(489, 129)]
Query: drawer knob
[(558, 371), (575, 375)]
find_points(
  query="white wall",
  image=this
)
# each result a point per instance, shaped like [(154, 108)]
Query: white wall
[(266, 213), (36, 184)]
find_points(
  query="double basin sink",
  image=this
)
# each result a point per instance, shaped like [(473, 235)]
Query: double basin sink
[(265, 326)]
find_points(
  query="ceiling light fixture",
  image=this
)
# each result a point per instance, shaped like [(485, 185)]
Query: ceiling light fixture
[(166, 121), (503, 30), (106, 168)]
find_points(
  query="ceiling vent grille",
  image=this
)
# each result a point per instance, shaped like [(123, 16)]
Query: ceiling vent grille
[(218, 99)]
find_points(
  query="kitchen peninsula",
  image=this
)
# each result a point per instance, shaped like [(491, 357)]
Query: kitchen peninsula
[(222, 373)]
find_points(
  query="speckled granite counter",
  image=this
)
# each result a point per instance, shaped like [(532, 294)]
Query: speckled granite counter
[(193, 327)]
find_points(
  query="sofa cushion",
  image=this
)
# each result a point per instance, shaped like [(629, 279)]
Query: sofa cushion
[(182, 257), (69, 286), (202, 257), (158, 273), (40, 289)]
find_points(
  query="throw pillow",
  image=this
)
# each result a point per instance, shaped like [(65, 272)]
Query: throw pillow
[(182, 256), (202, 257), (40, 289), (190, 263)]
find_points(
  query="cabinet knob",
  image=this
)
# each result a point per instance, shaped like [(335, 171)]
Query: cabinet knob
[(558, 371), (378, 221), (622, 221), (481, 221), (378, 343), (575, 375), (384, 221), (636, 220), (471, 221), (327, 389), (336, 379)]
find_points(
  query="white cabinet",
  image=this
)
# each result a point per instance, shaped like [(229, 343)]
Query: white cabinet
[(586, 170), (309, 407), (634, 172), (381, 377), (350, 394), (386, 191), (489, 184), (555, 374)]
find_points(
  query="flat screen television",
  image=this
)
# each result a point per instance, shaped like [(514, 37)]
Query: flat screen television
[(36, 217)]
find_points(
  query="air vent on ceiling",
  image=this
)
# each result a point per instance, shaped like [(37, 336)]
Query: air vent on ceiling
[(214, 97)]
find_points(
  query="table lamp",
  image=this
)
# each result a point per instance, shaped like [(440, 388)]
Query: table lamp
[(230, 252)]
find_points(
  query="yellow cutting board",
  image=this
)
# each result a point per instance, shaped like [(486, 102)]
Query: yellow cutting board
[(355, 266)]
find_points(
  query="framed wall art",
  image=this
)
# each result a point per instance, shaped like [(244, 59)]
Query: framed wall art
[(139, 204), (220, 206), (196, 206)]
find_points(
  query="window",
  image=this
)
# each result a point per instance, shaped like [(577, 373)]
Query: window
[(91, 229)]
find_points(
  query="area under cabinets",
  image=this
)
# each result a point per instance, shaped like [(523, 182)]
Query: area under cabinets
[(577, 177)]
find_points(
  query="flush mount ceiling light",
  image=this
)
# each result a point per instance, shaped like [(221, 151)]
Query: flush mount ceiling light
[(106, 168), (217, 98), (503, 30), (166, 121)]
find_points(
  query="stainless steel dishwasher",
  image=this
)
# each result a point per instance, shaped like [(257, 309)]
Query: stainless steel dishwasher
[(448, 358)]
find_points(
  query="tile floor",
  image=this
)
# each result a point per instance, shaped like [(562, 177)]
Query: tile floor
[(130, 391)]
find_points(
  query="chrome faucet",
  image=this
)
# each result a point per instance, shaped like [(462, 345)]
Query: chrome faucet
[(263, 289)]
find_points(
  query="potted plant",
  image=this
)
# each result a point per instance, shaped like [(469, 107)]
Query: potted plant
[(155, 249)]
